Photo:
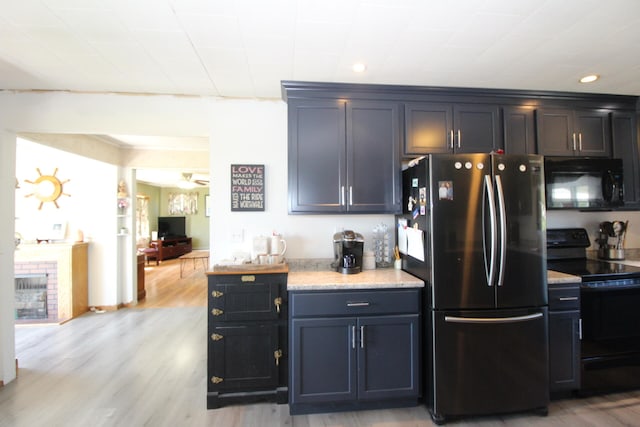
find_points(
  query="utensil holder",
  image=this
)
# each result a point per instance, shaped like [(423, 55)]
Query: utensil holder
[(611, 254)]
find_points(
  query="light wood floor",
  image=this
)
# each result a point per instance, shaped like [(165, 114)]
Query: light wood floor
[(165, 287), (147, 367)]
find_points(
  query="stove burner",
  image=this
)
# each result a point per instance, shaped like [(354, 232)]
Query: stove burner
[(593, 270)]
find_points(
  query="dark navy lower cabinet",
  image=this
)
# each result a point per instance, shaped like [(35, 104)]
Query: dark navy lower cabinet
[(354, 350), (564, 339), (247, 342)]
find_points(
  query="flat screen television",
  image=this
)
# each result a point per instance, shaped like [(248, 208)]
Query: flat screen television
[(171, 227)]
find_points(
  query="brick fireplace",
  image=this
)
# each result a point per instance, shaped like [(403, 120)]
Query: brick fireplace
[(66, 268)]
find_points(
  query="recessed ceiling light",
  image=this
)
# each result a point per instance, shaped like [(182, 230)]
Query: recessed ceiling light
[(590, 78), (359, 67)]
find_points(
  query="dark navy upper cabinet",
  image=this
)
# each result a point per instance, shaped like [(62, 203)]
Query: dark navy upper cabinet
[(344, 156), (347, 141), (625, 147), (566, 132), (448, 128), (519, 130)]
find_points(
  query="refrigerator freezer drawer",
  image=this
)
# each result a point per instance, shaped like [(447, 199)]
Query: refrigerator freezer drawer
[(489, 362)]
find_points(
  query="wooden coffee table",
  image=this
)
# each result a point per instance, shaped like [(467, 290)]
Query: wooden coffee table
[(195, 256)]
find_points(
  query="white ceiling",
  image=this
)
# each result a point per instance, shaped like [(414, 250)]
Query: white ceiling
[(244, 48)]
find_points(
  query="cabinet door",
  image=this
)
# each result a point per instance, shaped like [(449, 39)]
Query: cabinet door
[(388, 357), (243, 357), (476, 128), (250, 301), (317, 155), (428, 128), (625, 147), (593, 130), (519, 132), (322, 356), (373, 160), (555, 132), (564, 350)]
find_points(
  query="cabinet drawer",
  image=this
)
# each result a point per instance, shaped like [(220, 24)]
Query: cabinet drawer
[(348, 303), (564, 297)]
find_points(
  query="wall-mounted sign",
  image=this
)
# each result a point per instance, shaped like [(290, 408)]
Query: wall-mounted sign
[(247, 187)]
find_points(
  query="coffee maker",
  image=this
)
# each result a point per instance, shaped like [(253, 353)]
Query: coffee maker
[(347, 249)]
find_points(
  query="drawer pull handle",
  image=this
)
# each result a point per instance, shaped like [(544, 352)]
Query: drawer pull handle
[(248, 278), (568, 298), (358, 304)]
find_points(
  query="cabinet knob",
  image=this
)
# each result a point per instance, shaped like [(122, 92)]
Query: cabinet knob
[(216, 294), (277, 302), (216, 337), (217, 312), (277, 355), (216, 380)]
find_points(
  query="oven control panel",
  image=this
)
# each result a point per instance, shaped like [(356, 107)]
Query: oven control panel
[(567, 238)]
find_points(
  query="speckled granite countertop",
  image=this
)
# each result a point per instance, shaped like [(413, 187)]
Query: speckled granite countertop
[(368, 279), (556, 277)]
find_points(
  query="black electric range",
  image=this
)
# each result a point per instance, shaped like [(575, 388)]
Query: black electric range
[(566, 252), (610, 320)]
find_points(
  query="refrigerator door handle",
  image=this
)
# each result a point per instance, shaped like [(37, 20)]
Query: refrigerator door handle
[(455, 319), (503, 230), (492, 232)]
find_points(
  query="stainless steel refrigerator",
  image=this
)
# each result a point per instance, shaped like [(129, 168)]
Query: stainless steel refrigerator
[(474, 229)]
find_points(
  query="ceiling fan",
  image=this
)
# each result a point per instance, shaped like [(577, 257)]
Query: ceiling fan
[(188, 181)]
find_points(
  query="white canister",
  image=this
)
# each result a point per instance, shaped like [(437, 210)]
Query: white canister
[(260, 246), (278, 245), (368, 260)]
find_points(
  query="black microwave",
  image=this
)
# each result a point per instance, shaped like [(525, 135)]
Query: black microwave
[(583, 183)]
